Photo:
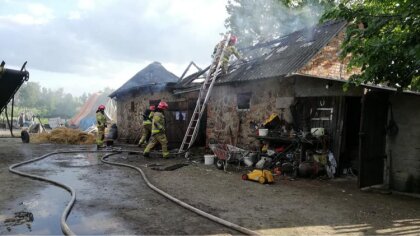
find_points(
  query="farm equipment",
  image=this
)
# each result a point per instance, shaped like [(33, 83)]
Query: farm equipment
[(262, 176), (10, 82), (227, 154)]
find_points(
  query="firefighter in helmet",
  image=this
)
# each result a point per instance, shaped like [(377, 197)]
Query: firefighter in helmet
[(229, 51), (101, 125), (158, 131), (147, 125)]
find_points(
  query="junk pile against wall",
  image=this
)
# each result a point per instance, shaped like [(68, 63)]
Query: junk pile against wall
[(282, 151)]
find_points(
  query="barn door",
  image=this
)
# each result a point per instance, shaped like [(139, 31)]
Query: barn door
[(372, 138), (176, 123)]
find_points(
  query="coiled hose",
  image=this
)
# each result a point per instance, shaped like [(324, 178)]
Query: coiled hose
[(66, 229)]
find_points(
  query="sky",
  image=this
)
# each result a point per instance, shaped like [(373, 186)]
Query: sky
[(87, 45)]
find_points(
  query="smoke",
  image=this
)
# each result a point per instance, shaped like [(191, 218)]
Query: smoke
[(256, 21)]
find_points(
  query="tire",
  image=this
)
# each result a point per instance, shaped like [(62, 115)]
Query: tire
[(24, 135), (219, 164), (261, 179)]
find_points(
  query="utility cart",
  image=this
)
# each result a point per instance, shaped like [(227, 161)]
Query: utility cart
[(227, 154)]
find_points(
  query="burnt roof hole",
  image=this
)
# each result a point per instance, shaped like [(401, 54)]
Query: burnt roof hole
[(276, 45), (300, 39), (281, 49), (307, 44), (268, 57), (198, 80)]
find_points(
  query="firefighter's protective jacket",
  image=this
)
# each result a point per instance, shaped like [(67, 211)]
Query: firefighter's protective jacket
[(230, 50), (100, 120), (158, 123), (147, 119)]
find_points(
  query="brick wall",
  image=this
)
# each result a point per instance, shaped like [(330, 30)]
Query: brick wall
[(326, 62)]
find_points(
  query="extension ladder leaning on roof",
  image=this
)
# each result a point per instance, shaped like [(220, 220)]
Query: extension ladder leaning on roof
[(203, 97)]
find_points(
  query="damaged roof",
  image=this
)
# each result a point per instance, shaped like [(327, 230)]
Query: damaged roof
[(278, 57), (286, 55), (152, 75)]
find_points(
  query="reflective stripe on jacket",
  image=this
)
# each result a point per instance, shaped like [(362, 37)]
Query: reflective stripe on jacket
[(149, 121), (158, 123)]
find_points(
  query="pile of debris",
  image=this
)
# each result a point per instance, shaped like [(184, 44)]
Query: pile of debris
[(64, 136)]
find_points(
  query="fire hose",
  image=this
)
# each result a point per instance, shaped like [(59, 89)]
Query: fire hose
[(66, 229)]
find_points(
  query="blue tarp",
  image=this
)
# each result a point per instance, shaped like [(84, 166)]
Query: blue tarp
[(87, 122)]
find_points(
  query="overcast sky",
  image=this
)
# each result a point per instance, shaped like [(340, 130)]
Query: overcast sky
[(86, 45)]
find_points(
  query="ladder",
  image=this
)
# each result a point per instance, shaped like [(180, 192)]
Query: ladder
[(203, 97)]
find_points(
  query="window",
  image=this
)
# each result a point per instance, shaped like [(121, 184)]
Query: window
[(180, 115), (244, 101)]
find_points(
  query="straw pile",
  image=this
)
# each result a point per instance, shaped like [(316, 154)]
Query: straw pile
[(64, 136)]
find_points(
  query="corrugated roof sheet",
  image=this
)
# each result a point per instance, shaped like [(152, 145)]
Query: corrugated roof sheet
[(287, 55), (153, 74), (275, 58)]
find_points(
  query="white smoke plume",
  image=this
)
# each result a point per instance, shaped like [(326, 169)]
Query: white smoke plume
[(255, 21)]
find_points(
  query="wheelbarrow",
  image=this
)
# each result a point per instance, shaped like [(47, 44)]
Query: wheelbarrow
[(226, 153)]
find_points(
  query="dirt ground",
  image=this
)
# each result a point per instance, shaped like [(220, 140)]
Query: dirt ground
[(116, 200)]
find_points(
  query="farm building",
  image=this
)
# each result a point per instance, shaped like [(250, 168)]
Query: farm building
[(371, 130), (147, 87)]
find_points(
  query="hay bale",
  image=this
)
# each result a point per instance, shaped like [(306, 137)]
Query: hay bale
[(64, 135)]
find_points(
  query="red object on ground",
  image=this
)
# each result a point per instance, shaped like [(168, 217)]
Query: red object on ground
[(280, 149), (245, 177), (277, 171)]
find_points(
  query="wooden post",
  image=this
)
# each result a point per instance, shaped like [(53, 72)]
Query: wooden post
[(13, 105)]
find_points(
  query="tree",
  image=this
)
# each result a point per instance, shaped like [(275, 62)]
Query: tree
[(29, 94), (46, 102), (84, 97), (255, 21), (382, 39)]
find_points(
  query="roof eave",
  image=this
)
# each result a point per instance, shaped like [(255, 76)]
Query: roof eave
[(371, 86)]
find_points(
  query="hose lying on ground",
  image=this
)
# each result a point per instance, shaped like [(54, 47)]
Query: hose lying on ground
[(66, 229), (181, 203)]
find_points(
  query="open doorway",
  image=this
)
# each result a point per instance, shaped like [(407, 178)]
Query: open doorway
[(350, 137), (372, 143)]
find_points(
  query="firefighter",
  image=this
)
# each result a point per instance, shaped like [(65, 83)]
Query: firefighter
[(158, 131), (147, 125), (101, 125), (230, 50)]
